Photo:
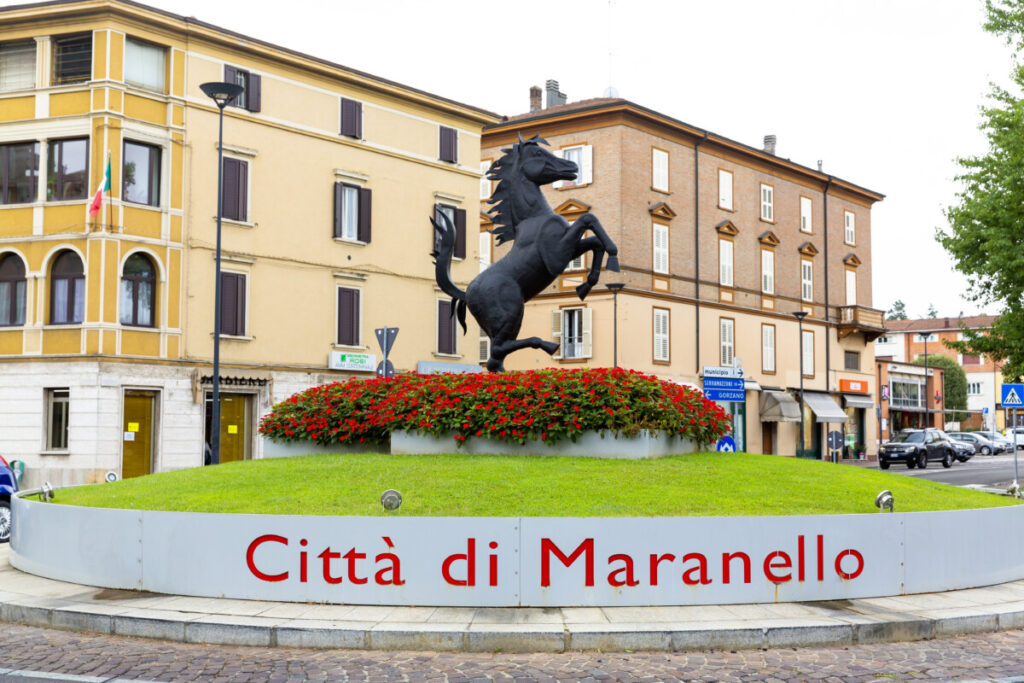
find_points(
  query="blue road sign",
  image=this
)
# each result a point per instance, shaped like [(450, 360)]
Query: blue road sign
[(1013, 396), (725, 395), (726, 445), (723, 383)]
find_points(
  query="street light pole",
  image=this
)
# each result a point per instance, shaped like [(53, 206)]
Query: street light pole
[(927, 389), (221, 94), (800, 315), (615, 287)]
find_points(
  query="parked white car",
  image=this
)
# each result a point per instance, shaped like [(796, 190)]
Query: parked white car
[(1017, 436)]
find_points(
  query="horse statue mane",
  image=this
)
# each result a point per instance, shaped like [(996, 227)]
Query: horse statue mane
[(543, 245)]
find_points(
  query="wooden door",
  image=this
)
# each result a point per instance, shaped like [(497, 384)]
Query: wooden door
[(768, 438), (137, 434), (234, 423)]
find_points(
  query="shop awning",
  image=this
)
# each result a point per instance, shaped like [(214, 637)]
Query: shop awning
[(825, 407), (778, 406), (858, 402)]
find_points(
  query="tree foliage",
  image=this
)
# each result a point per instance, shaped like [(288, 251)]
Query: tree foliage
[(954, 385), (898, 311), (985, 235), (932, 312)]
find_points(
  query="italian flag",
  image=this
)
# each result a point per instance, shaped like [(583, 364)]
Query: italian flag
[(97, 200)]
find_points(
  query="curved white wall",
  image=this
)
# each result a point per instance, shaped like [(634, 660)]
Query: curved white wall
[(527, 561)]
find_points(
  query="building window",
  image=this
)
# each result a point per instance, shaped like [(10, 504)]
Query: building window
[(578, 263), (447, 341), (19, 169), (882, 340), (724, 190), (573, 328), (806, 280), (235, 190), (767, 271), (141, 178), (851, 288), (252, 86), (67, 290), (485, 251), (352, 212), (57, 412), (851, 227), (659, 170), (348, 316), (138, 286), (808, 353), (661, 338), (907, 394), (485, 347), (767, 203), (67, 168), (583, 157), (72, 59), (232, 304), (974, 388), (12, 291), (725, 263), (17, 65), (767, 347), (805, 215), (660, 241), (726, 342), (967, 359), (485, 182), (458, 219), (449, 145), (144, 64), (930, 337), (851, 360), (351, 118)]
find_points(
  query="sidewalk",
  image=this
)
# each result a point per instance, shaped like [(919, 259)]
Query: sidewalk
[(28, 599)]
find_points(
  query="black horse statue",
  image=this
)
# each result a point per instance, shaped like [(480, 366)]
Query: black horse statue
[(544, 245)]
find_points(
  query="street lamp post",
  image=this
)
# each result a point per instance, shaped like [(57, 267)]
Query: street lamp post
[(221, 94), (800, 315), (927, 389), (615, 287)]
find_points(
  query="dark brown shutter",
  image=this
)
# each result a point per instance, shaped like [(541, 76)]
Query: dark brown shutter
[(449, 144), (348, 316), (243, 191), (230, 74), (338, 192), (253, 97), (228, 303), (460, 233), (351, 118), (445, 339), (365, 210), (230, 189), (240, 319)]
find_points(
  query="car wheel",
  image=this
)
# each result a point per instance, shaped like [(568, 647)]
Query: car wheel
[(5, 521), (922, 460), (947, 460), (911, 462), (985, 450), (883, 464)]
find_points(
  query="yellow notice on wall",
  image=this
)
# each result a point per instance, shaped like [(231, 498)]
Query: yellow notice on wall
[(133, 426), (232, 429)]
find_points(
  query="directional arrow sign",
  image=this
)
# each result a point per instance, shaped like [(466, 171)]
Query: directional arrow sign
[(1013, 396)]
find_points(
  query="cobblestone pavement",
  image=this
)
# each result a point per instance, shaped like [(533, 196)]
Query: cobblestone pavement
[(977, 657)]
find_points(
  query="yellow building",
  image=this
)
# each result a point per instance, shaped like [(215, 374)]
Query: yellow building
[(106, 322)]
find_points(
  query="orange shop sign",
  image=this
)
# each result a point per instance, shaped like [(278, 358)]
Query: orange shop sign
[(853, 386)]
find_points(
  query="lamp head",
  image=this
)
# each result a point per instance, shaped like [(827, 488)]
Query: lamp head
[(221, 93), (615, 286), (884, 501), (391, 500), (800, 315)]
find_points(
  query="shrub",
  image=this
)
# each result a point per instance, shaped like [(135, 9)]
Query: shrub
[(546, 405)]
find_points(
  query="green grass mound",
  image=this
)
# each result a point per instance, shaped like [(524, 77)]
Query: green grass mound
[(702, 484)]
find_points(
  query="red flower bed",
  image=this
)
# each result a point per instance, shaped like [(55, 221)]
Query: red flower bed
[(548, 405)]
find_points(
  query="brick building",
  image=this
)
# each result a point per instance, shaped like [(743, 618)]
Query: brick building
[(719, 243)]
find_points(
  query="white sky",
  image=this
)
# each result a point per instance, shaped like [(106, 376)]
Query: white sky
[(885, 92)]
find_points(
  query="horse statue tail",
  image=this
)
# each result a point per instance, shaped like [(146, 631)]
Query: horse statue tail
[(445, 247)]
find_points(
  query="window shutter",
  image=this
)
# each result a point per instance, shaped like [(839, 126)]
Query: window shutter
[(242, 209), (348, 316), (851, 288), (351, 118), (485, 347), (768, 348), (230, 189), (240, 317), (556, 332), (587, 172), (230, 74), (365, 211), (558, 183), (445, 330), (588, 333), (338, 191), (253, 98), (228, 303), (460, 233), (449, 144)]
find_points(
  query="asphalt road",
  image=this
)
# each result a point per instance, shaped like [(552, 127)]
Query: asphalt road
[(986, 470)]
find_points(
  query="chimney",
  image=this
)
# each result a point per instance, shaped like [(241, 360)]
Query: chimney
[(769, 144), (535, 104), (947, 322), (555, 97), (819, 165)]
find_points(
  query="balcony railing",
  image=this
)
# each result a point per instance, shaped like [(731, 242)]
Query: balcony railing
[(869, 321)]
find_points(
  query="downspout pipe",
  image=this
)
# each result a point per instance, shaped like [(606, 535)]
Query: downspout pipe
[(696, 244), (828, 317)]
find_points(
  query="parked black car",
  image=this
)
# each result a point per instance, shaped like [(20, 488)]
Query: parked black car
[(8, 487), (915, 447), (979, 443), (964, 450)]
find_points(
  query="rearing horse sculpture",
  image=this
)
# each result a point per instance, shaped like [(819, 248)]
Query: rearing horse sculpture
[(544, 245)]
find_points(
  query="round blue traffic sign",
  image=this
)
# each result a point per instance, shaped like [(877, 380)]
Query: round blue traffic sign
[(726, 445)]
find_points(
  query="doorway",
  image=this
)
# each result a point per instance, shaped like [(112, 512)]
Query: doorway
[(768, 438), (137, 433), (235, 426)]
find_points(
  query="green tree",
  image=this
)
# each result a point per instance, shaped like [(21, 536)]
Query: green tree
[(984, 236), (898, 311), (954, 385), (932, 313)]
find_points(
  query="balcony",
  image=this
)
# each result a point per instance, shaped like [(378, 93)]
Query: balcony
[(868, 321)]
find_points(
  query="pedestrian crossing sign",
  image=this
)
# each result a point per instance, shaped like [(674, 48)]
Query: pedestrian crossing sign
[(1013, 396)]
